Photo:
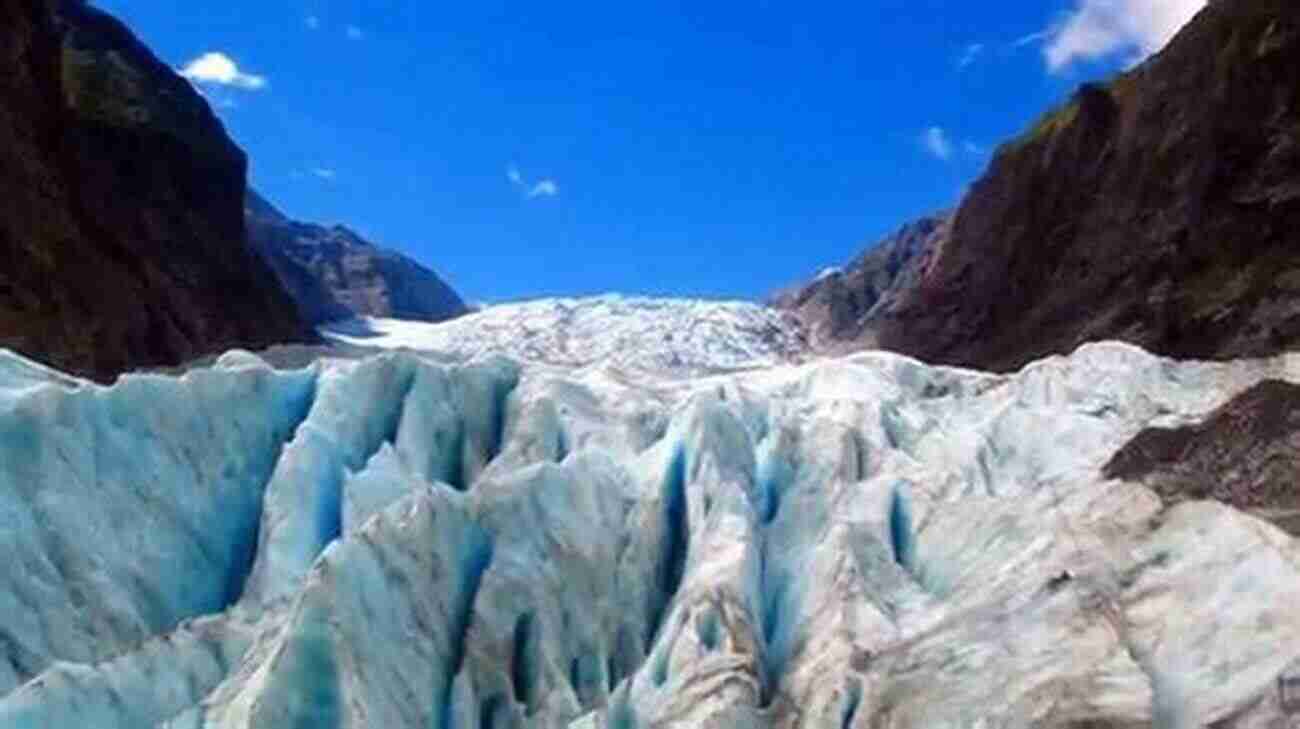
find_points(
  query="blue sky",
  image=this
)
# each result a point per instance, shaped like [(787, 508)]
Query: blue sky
[(717, 149)]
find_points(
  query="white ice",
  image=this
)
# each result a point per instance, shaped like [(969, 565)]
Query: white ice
[(396, 542), (631, 334)]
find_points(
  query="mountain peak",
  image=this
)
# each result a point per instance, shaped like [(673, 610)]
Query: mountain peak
[(333, 273), (1160, 208), (841, 306)]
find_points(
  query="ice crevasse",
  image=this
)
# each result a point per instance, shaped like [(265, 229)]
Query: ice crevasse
[(847, 543)]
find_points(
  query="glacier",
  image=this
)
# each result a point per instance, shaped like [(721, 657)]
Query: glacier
[(492, 542), (633, 334)]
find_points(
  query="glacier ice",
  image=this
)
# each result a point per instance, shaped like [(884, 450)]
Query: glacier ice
[(399, 542), (633, 334)]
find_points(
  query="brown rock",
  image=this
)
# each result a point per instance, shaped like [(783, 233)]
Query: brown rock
[(1245, 454), (333, 273), (1162, 209), (122, 239), (841, 307)]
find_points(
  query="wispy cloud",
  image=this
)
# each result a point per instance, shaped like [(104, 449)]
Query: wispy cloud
[(218, 69), (937, 143), (355, 33), (1032, 38), (970, 55), (327, 174), (973, 149), (312, 22), (1098, 29), (544, 187)]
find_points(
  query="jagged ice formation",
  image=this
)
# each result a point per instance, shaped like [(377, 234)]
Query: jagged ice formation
[(847, 543)]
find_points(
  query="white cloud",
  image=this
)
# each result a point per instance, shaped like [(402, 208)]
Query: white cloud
[(355, 33), (937, 143), (1102, 28), (542, 188), (313, 22), (970, 55), (218, 69), (325, 173), (545, 188), (973, 149)]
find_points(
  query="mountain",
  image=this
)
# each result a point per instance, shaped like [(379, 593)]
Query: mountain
[(625, 513), (841, 306), (681, 337), (857, 542), (1162, 208), (121, 205), (333, 273)]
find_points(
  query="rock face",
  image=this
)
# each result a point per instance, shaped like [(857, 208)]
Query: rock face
[(1247, 453), (861, 542), (335, 274), (841, 307), (1162, 208), (121, 198)]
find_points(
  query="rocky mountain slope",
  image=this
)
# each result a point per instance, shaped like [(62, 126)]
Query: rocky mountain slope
[(1162, 208), (842, 306), (121, 204), (333, 273), (681, 337), (657, 514), (852, 543)]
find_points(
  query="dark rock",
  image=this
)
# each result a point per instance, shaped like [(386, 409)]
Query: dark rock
[(840, 307), (1162, 209), (1245, 454), (1056, 584), (121, 205), (333, 273)]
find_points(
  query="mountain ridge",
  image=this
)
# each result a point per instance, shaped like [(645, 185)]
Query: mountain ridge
[(630, 513), (1161, 208), (841, 306), (333, 273)]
